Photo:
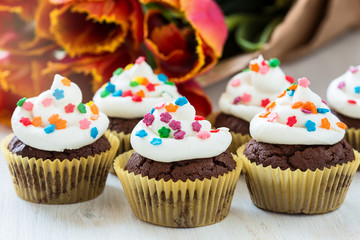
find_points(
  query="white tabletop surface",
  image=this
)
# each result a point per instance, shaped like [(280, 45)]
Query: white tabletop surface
[(109, 216)]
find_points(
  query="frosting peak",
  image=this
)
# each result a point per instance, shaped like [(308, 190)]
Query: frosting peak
[(57, 119), (297, 116), (248, 92), (172, 132), (134, 90)]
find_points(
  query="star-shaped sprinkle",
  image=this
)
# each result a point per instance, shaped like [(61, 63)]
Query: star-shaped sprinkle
[(58, 94), (272, 116), (325, 123), (203, 135), (127, 93), (236, 82), (36, 121), (117, 72), (136, 98), (246, 98), (303, 82), (104, 93), (264, 69), (141, 133), (181, 101), (84, 124), (236, 100), (28, 106), (69, 108), (341, 85), (165, 117), (20, 103), (310, 126), (175, 125), (353, 69), (199, 118), (162, 77), (159, 106), (81, 108), (341, 125), (274, 62), (265, 102), (66, 82), (49, 128), (140, 93), (171, 107), (291, 121), (148, 119), (179, 134), (25, 121), (58, 122), (110, 87), (117, 93), (322, 110), (254, 67), (196, 126), (156, 141), (290, 79), (94, 132), (351, 101), (140, 60), (357, 90), (150, 87)]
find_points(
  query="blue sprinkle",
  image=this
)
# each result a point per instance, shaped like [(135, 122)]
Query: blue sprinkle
[(181, 101), (156, 141), (357, 89), (58, 94), (291, 93), (310, 126), (118, 93), (94, 132), (162, 77), (152, 111), (49, 128), (110, 87), (142, 133), (322, 110)]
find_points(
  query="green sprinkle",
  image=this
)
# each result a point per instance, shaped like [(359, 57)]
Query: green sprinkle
[(21, 102), (118, 71), (133, 84), (82, 108), (274, 62), (246, 70), (170, 83), (104, 93), (164, 132)]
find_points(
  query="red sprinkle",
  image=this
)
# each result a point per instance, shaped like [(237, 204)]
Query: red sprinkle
[(289, 79), (198, 118), (127, 93), (291, 121), (150, 87), (352, 101), (215, 131), (137, 98), (25, 121), (69, 108), (265, 102)]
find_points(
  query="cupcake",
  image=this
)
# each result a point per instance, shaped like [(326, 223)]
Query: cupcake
[(247, 94), (59, 152), (343, 95), (130, 94), (298, 161), (180, 173)]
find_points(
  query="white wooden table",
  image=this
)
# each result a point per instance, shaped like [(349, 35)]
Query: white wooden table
[(109, 216)]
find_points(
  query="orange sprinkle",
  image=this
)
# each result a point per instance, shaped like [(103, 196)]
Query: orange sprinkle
[(140, 93), (341, 125), (36, 121), (282, 94), (254, 67), (293, 87), (325, 123), (264, 114), (144, 81), (297, 105), (53, 118), (58, 122), (310, 106), (270, 105), (94, 116), (94, 109), (171, 107), (66, 82)]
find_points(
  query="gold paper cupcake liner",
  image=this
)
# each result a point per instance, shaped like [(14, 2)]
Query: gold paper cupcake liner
[(352, 136), (287, 191), (178, 204), (59, 182), (124, 145)]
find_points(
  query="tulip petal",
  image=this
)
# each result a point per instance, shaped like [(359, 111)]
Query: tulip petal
[(26, 9), (172, 3)]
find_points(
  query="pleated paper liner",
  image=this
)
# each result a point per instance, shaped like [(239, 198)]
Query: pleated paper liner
[(309, 192), (238, 139), (352, 136), (178, 204), (59, 182), (124, 146)]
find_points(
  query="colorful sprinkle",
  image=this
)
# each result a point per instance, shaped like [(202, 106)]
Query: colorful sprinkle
[(341, 85), (293, 86), (69, 108), (49, 128), (237, 100), (89, 103), (306, 111), (159, 106), (291, 93), (165, 117), (353, 69), (325, 123), (21, 102), (352, 101), (297, 105), (291, 121), (181, 101), (236, 82), (110, 87), (264, 69), (179, 134), (82, 108), (265, 102), (136, 98), (140, 93), (246, 70), (58, 94), (129, 66), (127, 93), (246, 98), (148, 119), (141, 80), (175, 125), (94, 132), (152, 111), (156, 141), (94, 116), (274, 62), (117, 72), (281, 94), (150, 87), (215, 131), (117, 93), (133, 84), (28, 106), (196, 126), (58, 122), (272, 116), (310, 126), (104, 93), (46, 102), (199, 118), (162, 77), (270, 106), (140, 60), (341, 125), (310, 106), (304, 82), (322, 110), (141, 133), (323, 101), (254, 67), (290, 79), (357, 90), (264, 114), (25, 121), (84, 124), (170, 83), (203, 135), (66, 82), (171, 107), (36, 121), (94, 109), (164, 132)]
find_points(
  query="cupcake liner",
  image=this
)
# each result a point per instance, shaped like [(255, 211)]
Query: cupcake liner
[(352, 136), (124, 146), (178, 204), (59, 182), (287, 191)]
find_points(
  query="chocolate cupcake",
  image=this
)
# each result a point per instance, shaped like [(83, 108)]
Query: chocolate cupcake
[(59, 152), (247, 94), (343, 95), (298, 161), (181, 173), (129, 95)]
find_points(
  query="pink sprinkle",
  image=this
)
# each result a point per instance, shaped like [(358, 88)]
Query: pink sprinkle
[(237, 100), (69, 108), (148, 119), (199, 118), (353, 69), (272, 116), (28, 106), (306, 111), (341, 85), (236, 82), (46, 102), (179, 134), (324, 102), (140, 60), (196, 126), (264, 69), (303, 82), (84, 124), (165, 117), (203, 135), (246, 98), (159, 106), (175, 125)]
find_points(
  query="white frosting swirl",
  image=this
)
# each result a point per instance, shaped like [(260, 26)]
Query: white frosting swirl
[(53, 121), (248, 92), (151, 91), (298, 116), (172, 132), (343, 93)]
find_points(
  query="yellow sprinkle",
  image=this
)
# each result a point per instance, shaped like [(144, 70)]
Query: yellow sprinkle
[(129, 66), (90, 103)]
